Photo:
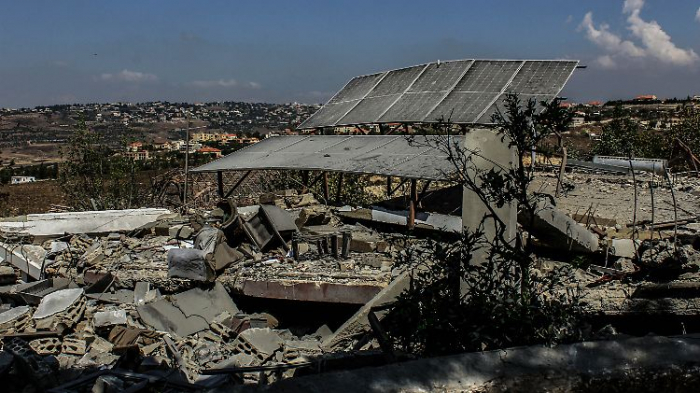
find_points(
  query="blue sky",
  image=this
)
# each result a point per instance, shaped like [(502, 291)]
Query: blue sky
[(282, 51)]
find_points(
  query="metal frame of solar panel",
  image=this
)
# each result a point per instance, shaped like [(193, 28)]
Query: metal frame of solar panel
[(459, 91)]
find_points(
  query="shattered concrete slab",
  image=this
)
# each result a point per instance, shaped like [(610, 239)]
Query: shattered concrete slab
[(58, 224), (109, 318), (561, 231), (15, 318), (57, 302), (28, 258), (190, 264), (188, 312)]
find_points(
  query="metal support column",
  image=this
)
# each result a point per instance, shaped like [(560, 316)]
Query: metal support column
[(220, 183), (412, 206)]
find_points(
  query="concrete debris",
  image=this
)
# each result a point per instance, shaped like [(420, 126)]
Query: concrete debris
[(7, 275), (109, 318), (558, 230), (57, 302), (160, 296), (625, 248), (189, 264), (188, 312)]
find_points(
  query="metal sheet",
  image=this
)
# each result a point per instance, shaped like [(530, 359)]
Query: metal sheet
[(390, 155), (463, 91)]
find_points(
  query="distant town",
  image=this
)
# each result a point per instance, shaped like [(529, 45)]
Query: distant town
[(143, 131)]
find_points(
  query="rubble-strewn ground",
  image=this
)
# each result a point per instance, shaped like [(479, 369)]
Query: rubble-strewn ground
[(169, 302), (612, 196)]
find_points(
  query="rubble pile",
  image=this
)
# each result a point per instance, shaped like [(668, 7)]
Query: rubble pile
[(157, 298)]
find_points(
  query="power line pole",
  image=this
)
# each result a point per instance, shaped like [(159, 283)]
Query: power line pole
[(187, 155)]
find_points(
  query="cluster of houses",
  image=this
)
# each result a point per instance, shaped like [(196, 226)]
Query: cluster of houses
[(141, 151)]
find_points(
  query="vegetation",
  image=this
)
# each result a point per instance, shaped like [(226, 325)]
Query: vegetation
[(94, 178), (482, 292), (625, 137)]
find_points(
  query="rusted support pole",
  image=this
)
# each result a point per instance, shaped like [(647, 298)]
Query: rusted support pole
[(339, 192), (220, 183), (412, 206), (326, 192), (388, 186), (305, 181)]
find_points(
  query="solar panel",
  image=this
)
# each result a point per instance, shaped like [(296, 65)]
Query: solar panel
[(461, 91)]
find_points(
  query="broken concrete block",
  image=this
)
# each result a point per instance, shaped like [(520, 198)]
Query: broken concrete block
[(73, 346), (624, 248), (36, 369), (367, 243), (14, 319), (65, 306), (255, 346), (46, 346), (143, 293), (57, 302), (7, 275), (109, 318), (189, 263), (101, 345), (188, 312), (300, 350), (323, 332), (181, 232)]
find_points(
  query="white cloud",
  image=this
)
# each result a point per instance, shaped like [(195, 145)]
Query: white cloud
[(697, 15), (654, 42), (606, 62), (224, 83), (129, 76), (602, 37)]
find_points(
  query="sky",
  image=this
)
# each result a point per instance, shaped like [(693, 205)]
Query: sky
[(69, 51)]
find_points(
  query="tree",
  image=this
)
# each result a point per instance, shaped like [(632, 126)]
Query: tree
[(94, 178), (481, 292)]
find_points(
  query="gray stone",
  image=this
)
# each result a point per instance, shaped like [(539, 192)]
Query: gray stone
[(189, 263)]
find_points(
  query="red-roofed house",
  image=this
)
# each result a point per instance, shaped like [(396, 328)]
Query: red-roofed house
[(212, 151)]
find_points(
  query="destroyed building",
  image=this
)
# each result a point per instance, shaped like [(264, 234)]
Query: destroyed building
[(261, 288)]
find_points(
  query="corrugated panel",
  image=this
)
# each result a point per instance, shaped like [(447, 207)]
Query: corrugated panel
[(463, 91), (390, 155)]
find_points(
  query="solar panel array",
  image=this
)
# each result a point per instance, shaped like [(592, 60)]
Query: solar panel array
[(460, 91)]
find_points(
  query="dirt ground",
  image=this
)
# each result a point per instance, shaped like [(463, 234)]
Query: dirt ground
[(20, 199)]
